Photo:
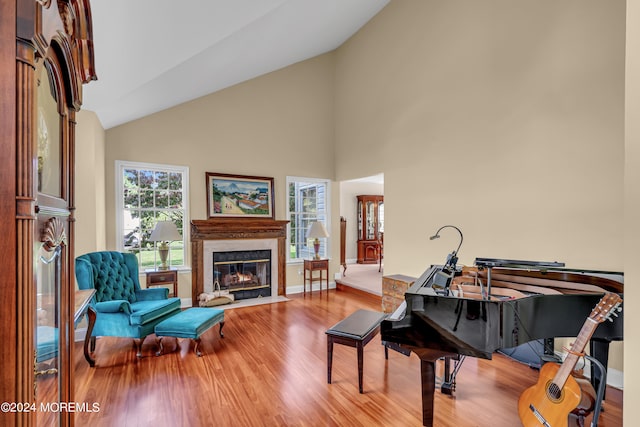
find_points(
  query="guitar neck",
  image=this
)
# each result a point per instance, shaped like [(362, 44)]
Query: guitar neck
[(577, 348)]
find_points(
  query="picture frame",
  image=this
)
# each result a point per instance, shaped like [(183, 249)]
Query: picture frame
[(239, 196)]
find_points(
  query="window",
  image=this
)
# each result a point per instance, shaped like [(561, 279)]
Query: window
[(308, 201), (147, 193)]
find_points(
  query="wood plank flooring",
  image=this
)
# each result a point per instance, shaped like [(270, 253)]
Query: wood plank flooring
[(270, 369)]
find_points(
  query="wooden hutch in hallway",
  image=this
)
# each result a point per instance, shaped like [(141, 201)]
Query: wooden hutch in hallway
[(370, 228)]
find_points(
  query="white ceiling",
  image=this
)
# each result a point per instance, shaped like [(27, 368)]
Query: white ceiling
[(152, 55)]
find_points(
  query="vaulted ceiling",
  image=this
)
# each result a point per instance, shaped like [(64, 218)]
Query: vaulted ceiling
[(152, 55)]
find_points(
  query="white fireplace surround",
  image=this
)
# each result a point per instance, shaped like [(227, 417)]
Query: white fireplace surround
[(211, 246)]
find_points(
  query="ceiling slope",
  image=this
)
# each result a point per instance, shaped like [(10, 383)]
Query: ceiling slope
[(152, 55)]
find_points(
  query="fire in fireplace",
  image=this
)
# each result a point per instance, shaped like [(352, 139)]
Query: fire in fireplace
[(246, 274)]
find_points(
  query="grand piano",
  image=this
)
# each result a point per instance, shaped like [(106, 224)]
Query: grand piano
[(451, 312)]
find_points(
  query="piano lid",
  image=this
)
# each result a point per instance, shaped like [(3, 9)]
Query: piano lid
[(551, 275)]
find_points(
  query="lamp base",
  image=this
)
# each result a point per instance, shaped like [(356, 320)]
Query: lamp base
[(316, 248), (164, 253)]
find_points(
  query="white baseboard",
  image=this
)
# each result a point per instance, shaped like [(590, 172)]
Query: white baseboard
[(615, 378), (298, 289)]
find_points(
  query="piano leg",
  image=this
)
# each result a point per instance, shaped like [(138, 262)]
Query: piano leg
[(599, 349), (447, 387), (449, 379), (428, 374)]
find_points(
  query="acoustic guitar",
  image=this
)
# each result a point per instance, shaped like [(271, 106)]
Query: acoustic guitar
[(549, 402)]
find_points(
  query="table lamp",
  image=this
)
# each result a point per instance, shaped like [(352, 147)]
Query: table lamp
[(317, 231), (164, 233)]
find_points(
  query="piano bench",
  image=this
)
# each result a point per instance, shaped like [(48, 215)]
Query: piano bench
[(356, 330)]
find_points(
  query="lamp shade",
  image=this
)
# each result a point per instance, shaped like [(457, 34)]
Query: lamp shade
[(165, 231), (317, 230)]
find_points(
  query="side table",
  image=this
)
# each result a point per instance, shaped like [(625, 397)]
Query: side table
[(311, 265), (163, 278), (82, 307)]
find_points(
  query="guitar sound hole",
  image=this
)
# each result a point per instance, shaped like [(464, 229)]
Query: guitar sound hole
[(554, 393)]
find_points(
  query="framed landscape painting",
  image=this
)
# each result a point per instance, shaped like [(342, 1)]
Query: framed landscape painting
[(239, 196)]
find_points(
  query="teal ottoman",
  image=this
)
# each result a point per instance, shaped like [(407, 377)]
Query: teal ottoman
[(190, 323)]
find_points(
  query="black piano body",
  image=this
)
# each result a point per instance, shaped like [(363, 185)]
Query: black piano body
[(439, 322)]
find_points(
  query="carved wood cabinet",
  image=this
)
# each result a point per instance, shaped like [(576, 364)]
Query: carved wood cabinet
[(46, 54), (370, 224)]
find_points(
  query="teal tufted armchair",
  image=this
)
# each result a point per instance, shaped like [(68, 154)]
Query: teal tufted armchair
[(122, 308)]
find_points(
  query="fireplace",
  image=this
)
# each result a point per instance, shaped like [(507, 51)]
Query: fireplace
[(245, 274), (246, 243), (238, 264)]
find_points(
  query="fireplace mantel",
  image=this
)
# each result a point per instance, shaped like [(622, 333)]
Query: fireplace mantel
[(234, 229)]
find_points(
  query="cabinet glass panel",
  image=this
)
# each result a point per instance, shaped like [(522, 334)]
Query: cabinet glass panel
[(48, 138), (371, 221), (359, 220), (47, 343)]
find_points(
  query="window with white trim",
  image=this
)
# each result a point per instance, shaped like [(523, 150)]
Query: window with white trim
[(145, 194), (308, 201)]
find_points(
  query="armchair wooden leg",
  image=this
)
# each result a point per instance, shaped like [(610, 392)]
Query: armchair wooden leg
[(90, 341)]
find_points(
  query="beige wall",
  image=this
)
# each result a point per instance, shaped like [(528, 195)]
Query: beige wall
[(90, 184), (275, 125), (632, 213), (503, 118), (482, 120)]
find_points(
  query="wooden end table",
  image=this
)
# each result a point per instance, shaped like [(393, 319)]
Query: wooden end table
[(312, 265), (163, 278)]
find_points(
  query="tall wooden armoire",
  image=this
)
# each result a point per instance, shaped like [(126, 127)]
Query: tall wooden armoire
[(46, 55)]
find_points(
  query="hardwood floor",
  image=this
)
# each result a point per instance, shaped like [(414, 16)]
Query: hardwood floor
[(270, 369)]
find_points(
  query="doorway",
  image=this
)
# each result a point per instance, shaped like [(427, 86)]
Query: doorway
[(366, 277)]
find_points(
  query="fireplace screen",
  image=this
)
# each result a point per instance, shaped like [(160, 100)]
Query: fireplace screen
[(246, 274)]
